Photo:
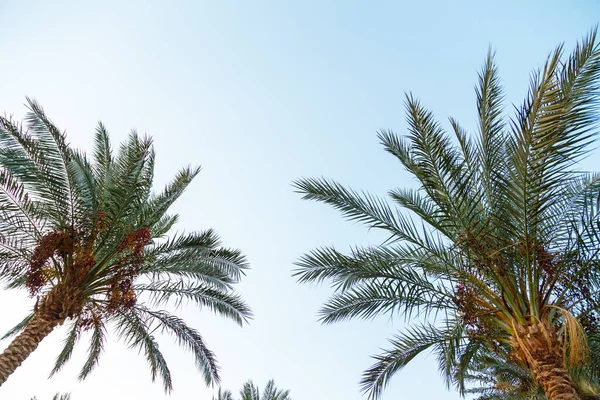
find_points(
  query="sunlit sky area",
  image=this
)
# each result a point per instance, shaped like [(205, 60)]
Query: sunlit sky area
[(261, 93)]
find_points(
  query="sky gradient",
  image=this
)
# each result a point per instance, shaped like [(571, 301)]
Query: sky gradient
[(261, 93)]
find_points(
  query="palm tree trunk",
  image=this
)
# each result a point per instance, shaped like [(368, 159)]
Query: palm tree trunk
[(57, 305), (539, 347), (24, 344), (554, 378)]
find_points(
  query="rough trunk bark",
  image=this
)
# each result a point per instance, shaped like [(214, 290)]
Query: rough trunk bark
[(59, 304), (24, 344), (538, 346)]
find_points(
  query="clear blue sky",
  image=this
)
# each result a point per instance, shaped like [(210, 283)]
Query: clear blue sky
[(261, 93)]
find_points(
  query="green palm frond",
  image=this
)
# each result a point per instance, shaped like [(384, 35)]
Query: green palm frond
[(389, 289), (159, 204), (186, 337), (250, 391), (19, 213), (57, 156), (196, 255), (69, 345), (135, 331), (102, 157), (24, 157), (223, 395), (94, 350), (405, 347), (271, 392), (86, 185), (18, 328), (202, 295)]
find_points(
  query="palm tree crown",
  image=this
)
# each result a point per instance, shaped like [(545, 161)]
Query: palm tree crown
[(89, 240), (506, 258), (252, 392)]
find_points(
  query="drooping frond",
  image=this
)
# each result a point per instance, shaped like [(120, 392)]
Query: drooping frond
[(493, 378), (69, 345), (574, 337), (202, 295), (188, 338), (405, 347), (135, 332), (94, 351)]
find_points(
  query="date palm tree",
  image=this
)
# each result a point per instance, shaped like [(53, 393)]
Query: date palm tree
[(89, 240), (251, 392), (505, 256)]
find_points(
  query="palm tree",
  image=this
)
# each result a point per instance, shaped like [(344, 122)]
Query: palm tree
[(252, 392), (505, 258), (89, 240)]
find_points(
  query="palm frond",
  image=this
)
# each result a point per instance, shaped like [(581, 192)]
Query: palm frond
[(250, 392), (159, 204), (69, 345), (222, 303), (188, 338), (57, 156), (102, 155), (94, 351), (196, 255), (405, 347), (21, 156), (359, 207), (85, 182), (134, 330), (19, 327), (223, 395)]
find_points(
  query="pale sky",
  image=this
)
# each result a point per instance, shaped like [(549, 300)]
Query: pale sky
[(260, 93)]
